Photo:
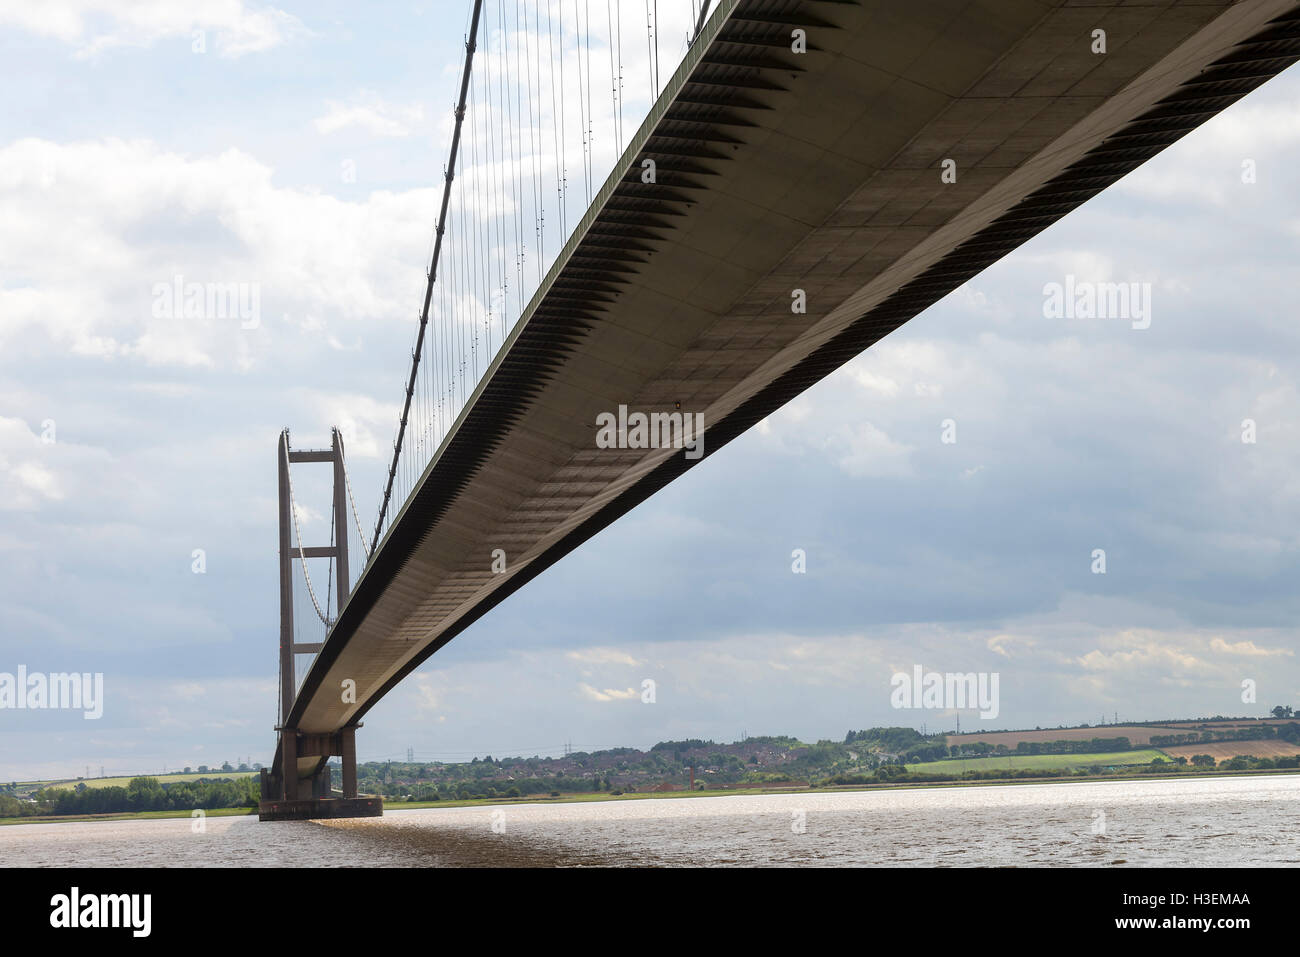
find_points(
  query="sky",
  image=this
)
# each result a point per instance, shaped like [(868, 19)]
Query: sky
[(949, 488)]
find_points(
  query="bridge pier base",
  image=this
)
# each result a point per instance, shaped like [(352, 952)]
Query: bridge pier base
[(288, 797), (313, 809)]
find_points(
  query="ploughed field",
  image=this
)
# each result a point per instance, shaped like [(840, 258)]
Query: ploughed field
[(1223, 750), (1137, 734)]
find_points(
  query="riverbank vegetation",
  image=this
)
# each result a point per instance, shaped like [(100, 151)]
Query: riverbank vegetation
[(880, 756), (140, 794)]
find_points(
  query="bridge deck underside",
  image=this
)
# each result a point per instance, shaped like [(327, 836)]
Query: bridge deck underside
[(776, 170)]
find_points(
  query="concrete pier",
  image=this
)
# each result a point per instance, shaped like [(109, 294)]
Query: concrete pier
[(320, 808)]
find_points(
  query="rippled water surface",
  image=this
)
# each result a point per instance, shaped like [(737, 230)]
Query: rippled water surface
[(1228, 821)]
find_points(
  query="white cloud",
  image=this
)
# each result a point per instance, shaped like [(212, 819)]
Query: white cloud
[(873, 382), (367, 424), (427, 697), (865, 451), (1248, 649), (230, 27), (306, 515), (371, 113), (1142, 650), (609, 694), (34, 473), (1006, 645), (603, 656), (1262, 134), (91, 229)]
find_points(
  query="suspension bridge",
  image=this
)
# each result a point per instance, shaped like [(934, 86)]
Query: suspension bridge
[(697, 248)]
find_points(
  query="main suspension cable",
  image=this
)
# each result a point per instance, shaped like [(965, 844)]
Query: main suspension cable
[(470, 43)]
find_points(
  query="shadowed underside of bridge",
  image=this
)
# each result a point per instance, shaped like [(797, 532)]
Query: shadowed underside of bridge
[(777, 171)]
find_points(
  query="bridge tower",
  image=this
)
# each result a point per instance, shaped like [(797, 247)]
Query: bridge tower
[(286, 794)]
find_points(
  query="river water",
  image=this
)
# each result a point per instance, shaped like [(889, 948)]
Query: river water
[(1219, 821)]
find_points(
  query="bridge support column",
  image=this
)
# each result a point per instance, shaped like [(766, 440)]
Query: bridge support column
[(348, 752), (322, 783), (289, 764)]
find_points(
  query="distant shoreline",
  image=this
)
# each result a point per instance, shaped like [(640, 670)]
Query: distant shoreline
[(582, 797)]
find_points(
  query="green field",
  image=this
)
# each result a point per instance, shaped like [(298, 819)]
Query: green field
[(162, 779), (1037, 762), (125, 816)]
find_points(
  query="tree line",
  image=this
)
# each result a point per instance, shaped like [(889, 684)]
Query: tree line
[(140, 794)]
